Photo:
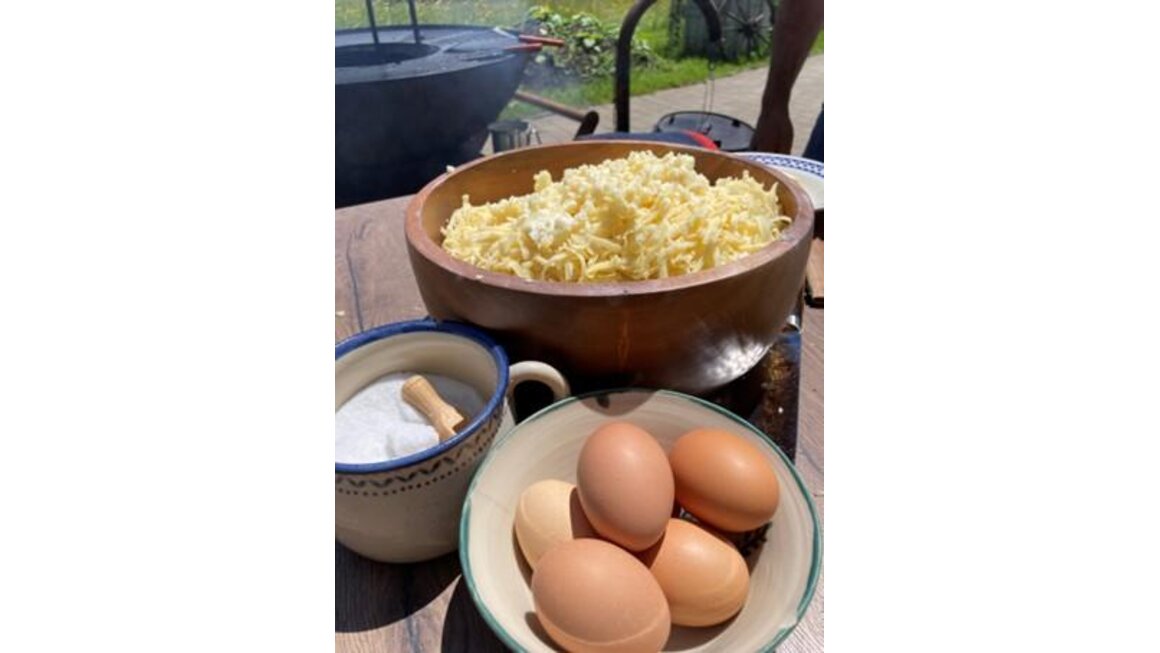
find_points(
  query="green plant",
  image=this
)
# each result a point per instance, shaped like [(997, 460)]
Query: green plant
[(589, 50)]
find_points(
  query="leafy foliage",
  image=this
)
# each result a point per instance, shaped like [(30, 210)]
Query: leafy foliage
[(589, 50)]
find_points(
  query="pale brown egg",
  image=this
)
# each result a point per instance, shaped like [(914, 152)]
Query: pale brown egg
[(723, 480), (625, 485), (704, 578), (590, 595), (547, 514)]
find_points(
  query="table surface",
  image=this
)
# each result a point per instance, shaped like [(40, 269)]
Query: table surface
[(425, 607)]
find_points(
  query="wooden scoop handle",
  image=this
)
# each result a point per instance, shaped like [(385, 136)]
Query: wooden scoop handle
[(418, 392)]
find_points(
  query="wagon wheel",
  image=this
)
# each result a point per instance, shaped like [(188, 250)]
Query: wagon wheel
[(748, 25)]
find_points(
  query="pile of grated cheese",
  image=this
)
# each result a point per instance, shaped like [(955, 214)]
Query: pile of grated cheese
[(629, 219)]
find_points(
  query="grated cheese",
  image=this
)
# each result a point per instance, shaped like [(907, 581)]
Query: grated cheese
[(629, 219)]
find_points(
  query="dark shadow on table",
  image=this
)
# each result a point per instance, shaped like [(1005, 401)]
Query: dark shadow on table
[(369, 594), (464, 629)]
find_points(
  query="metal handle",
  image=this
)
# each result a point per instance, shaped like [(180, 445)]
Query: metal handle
[(624, 50)]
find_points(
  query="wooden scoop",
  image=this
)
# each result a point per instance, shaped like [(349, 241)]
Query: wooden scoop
[(418, 392)]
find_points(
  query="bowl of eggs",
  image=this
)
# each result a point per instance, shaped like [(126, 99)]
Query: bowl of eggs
[(621, 263), (634, 519)]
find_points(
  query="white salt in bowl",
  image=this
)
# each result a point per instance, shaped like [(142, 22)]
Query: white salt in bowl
[(783, 570), (407, 509)]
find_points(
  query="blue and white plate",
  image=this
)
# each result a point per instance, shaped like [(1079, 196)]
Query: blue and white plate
[(807, 172)]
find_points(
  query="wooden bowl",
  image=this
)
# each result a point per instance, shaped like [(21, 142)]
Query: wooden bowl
[(693, 333)]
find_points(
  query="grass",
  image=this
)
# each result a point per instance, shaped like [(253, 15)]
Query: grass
[(684, 72), (653, 28), (504, 13)]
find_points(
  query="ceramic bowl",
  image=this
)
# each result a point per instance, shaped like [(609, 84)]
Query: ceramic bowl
[(407, 509), (694, 332), (783, 570)]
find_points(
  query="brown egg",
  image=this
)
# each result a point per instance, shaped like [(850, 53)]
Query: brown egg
[(724, 480), (625, 485), (704, 578), (549, 513), (590, 595)]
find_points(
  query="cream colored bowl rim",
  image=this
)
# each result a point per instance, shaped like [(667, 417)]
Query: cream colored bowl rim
[(497, 448)]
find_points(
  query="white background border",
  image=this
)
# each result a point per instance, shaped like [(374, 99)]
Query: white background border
[(166, 260)]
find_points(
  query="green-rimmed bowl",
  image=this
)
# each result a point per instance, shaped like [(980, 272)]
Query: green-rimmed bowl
[(783, 571)]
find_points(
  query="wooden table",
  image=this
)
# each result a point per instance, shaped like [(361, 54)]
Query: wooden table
[(425, 607)]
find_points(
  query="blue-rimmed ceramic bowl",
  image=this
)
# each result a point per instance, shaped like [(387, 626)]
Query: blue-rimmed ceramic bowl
[(407, 509), (783, 571), (807, 172)]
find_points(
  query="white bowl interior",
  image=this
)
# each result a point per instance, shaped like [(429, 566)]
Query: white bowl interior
[(783, 571), (420, 352)]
